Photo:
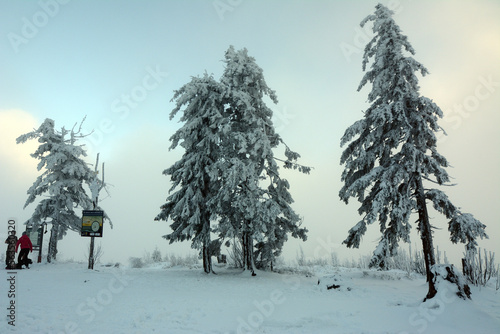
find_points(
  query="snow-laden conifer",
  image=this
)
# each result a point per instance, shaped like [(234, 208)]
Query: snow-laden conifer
[(254, 201), (61, 182), (227, 181), (392, 150), (195, 178)]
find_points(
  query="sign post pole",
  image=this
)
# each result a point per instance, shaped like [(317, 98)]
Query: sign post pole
[(91, 256), (44, 225), (92, 227), (36, 237)]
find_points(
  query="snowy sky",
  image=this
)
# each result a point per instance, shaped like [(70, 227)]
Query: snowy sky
[(118, 62)]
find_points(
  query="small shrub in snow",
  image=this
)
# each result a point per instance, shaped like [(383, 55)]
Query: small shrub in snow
[(498, 277), (97, 253), (363, 263), (147, 259), (334, 259), (419, 263), (136, 262), (156, 256), (307, 272), (111, 264), (302, 261), (235, 254), (301, 258), (187, 261), (409, 262), (479, 270)]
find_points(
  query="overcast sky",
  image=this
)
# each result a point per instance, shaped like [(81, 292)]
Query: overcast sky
[(118, 63)]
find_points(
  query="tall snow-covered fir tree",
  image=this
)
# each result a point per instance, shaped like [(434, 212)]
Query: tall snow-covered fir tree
[(247, 208), (61, 183), (392, 151), (195, 178), (228, 139)]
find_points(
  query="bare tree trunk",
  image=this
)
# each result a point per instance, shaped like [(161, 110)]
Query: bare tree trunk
[(424, 227), (248, 252), (207, 259), (244, 250), (54, 237), (206, 251)]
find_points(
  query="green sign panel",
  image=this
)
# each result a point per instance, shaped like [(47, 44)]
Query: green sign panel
[(92, 223), (35, 236)]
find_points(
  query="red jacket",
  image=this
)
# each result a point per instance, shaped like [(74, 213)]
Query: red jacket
[(25, 243)]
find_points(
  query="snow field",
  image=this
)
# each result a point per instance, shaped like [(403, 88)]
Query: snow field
[(68, 298)]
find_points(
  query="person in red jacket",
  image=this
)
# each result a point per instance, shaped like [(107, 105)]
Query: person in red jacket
[(26, 247)]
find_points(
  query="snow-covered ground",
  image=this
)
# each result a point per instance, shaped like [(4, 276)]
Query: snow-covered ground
[(68, 298)]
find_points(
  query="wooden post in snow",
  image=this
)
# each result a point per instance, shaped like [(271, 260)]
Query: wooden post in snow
[(95, 189)]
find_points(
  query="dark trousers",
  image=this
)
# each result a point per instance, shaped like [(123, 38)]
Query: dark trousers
[(23, 257)]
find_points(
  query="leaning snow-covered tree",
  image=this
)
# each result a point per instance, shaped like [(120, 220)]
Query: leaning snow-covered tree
[(247, 209), (61, 183), (194, 177), (392, 151)]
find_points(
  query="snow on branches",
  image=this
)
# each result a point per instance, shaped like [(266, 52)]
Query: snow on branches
[(228, 137), (392, 150), (61, 181)]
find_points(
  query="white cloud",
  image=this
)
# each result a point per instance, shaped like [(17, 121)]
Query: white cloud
[(17, 167), (14, 123)]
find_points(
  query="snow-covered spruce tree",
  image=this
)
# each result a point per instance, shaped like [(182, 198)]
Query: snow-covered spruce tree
[(194, 177), (391, 151), (246, 209), (61, 183)]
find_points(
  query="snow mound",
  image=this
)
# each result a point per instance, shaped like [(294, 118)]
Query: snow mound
[(448, 278)]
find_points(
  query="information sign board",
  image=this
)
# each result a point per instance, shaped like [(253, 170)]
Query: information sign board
[(92, 223)]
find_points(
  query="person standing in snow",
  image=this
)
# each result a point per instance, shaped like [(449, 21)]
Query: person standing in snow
[(11, 251), (26, 247)]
